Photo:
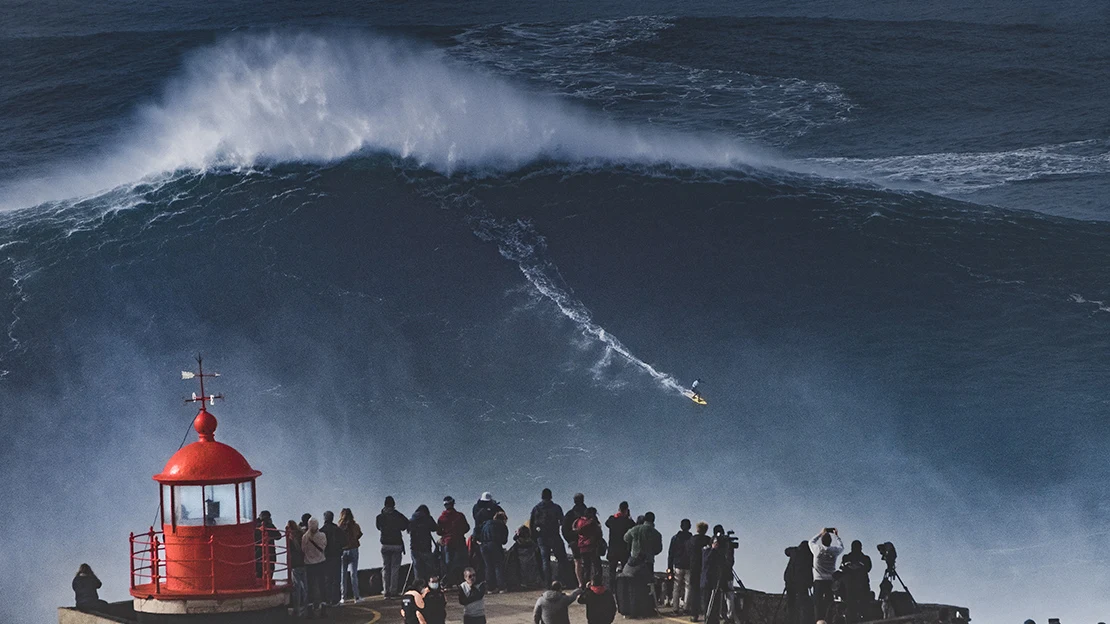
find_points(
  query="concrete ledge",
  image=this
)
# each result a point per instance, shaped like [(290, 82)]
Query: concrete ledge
[(197, 606)]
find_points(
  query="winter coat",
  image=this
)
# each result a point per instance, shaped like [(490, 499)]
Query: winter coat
[(392, 523), (493, 533), (337, 540), (798, 576), (694, 550), (856, 568), (551, 607), (546, 520), (483, 511), (601, 607), (677, 557), (452, 527), (421, 527), (353, 532), (84, 590), (644, 542), (296, 548), (618, 524), (570, 521), (716, 565), (314, 545), (589, 534)]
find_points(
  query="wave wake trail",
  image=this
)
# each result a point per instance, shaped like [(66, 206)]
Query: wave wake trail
[(305, 97), (518, 242)]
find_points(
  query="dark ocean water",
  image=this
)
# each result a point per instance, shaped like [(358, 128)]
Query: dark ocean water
[(445, 250)]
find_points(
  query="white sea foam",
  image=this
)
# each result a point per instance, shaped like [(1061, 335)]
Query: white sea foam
[(956, 173), (310, 98)]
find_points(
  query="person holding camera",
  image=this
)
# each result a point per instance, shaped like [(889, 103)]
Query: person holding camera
[(718, 561), (826, 547)]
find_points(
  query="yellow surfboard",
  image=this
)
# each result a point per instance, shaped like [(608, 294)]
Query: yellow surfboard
[(695, 398)]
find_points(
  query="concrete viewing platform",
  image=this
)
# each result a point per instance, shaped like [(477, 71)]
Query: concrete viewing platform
[(516, 608)]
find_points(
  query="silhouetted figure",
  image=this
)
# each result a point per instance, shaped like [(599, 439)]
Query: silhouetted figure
[(492, 536), (826, 546), (391, 523), (452, 527), (678, 562), (854, 570), (425, 556), (333, 566), (601, 606), (352, 532), (698, 543), (85, 586), (799, 580), (619, 524)]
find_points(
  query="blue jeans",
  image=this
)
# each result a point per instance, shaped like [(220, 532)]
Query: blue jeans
[(300, 590), (350, 564), (425, 565), (560, 552), (494, 558), (454, 560), (391, 570)]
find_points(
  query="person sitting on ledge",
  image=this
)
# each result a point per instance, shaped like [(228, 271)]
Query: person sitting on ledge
[(85, 585)]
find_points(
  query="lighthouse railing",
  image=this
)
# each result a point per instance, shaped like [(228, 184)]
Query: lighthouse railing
[(268, 557)]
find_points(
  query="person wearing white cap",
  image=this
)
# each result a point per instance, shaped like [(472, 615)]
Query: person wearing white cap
[(484, 510)]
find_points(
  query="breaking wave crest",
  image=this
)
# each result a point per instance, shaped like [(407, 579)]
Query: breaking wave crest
[(281, 97)]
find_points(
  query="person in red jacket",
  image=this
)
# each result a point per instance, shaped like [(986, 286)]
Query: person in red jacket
[(452, 528), (590, 537)]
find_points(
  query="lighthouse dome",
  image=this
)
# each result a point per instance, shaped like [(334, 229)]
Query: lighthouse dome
[(206, 461)]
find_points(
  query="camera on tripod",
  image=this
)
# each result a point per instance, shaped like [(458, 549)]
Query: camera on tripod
[(889, 554)]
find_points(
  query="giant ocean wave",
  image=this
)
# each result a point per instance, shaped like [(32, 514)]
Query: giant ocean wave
[(301, 97)]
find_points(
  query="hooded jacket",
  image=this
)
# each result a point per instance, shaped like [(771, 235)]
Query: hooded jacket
[(798, 575), (392, 523), (493, 533), (452, 526), (551, 607), (601, 607), (644, 542), (314, 543), (589, 534), (483, 511), (421, 527), (546, 520), (337, 540), (677, 557)]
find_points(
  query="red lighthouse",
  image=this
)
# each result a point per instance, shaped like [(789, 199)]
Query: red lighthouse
[(209, 558)]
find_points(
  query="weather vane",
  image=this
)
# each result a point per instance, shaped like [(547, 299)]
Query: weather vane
[(200, 374)]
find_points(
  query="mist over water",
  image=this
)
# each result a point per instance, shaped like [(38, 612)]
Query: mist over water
[(445, 260)]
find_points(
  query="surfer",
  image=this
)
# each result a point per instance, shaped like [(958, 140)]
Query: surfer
[(694, 389)]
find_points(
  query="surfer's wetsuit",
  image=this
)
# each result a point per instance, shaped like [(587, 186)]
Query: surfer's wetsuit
[(694, 388)]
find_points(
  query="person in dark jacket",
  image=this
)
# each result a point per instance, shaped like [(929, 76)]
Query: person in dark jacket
[(588, 530), (546, 522), (492, 537), (265, 534), (452, 527), (391, 523), (435, 603), (694, 549), (571, 536), (855, 570), (522, 562), (601, 607), (798, 578), (425, 556), (85, 586), (484, 509), (717, 564), (678, 563), (619, 524), (333, 570), (299, 596)]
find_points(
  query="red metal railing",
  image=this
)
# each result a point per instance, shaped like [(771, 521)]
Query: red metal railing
[(148, 562)]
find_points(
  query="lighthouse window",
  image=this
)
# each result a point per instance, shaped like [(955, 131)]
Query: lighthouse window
[(246, 502), (189, 501), (219, 504)]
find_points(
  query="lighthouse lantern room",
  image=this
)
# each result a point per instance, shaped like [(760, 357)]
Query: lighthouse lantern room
[(210, 556)]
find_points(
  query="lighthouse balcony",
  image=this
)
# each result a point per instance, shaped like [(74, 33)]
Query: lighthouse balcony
[(235, 561)]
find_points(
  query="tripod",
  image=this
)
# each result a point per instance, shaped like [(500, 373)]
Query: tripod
[(886, 588)]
